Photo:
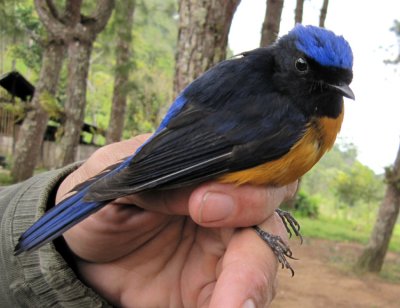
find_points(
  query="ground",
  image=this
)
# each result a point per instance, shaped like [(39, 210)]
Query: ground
[(324, 278)]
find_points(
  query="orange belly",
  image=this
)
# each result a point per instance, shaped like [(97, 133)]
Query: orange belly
[(318, 138)]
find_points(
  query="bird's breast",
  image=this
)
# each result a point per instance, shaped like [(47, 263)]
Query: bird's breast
[(319, 137)]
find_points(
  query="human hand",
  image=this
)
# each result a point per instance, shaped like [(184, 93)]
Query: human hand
[(179, 247)]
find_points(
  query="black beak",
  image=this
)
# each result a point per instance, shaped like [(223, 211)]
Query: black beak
[(343, 89)]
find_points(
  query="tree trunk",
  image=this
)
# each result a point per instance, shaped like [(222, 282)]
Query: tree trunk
[(298, 12), (34, 126), (202, 37), (124, 11), (324, 11), (272, 21), (79, 32), (78, 69), (372, 258)]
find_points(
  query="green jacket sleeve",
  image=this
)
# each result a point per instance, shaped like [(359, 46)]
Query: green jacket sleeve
[(41, 278)]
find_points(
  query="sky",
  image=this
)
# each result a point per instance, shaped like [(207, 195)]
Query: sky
[(372, 121)]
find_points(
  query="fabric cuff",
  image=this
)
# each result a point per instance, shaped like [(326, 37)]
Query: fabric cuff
[(41, 278)]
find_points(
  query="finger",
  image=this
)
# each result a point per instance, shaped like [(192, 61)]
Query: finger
[(216, 205), (222, 205), (248, 272)]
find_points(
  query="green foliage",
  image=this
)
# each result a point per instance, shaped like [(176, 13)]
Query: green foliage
[(151, 68), (10, 11), (345, 188), (26, 17), (338, 229), (30, 54), (306, 206), (358, 184), (152, 92), (12, 104), (99, 97), (5, 178), (17, 109), (27, 48), (154, 36), (51, 105), (319, 179)]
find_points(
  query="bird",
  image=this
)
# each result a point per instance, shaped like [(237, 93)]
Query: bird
[(263, 117)]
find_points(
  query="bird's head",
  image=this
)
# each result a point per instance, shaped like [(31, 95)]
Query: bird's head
[(314, 66)]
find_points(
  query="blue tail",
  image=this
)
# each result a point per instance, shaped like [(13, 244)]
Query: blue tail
[(59, 219), (62, 217), (74, 209)]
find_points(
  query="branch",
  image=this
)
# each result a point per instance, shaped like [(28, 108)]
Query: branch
[(298, 12), (395, 61), (87, 27), (45, 10), (52, 8), (72, 12), (102, 14), (324, 11)]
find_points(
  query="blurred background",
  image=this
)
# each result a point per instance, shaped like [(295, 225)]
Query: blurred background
[(76, 75)]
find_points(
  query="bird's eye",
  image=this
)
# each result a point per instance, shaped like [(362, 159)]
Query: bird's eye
[(301, 65)]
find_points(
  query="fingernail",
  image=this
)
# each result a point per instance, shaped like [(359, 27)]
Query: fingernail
[(249, 304), (215, 207)]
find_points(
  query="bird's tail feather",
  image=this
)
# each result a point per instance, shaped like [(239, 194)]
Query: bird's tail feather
[(59, 219), (52, 213)]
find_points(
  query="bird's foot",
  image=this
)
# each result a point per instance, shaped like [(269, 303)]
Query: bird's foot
[(289, 220), (278, 246)]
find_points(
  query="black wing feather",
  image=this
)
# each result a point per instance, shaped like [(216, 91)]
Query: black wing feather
[(233, 119), (167, 160)]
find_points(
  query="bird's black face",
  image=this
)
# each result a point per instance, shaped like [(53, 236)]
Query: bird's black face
[(315, 89), (326, 86)]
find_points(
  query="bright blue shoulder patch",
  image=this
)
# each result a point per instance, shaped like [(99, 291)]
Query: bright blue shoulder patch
[(323, 46), (175, 108)]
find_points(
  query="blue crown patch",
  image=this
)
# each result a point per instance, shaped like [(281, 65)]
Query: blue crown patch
[(323, 46)]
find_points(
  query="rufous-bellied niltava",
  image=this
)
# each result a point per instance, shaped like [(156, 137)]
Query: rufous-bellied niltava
[(263, 118)]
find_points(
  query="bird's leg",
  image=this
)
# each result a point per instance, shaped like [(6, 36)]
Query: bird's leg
[(289, 220), (278, 246)]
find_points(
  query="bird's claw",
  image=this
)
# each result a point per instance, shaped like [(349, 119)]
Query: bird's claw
[(278, 246), (289, 220)]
